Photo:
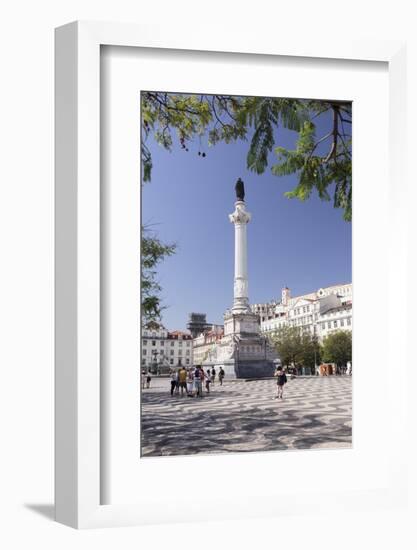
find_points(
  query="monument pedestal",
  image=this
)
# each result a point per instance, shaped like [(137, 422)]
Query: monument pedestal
[(243, 352)]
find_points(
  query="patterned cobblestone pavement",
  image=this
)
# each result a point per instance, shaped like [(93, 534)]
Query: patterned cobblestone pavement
[(243, 416)]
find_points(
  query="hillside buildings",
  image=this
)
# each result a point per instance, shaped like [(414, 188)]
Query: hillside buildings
[(320, 312)]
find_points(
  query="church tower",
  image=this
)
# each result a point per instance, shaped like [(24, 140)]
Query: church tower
[(285, 296)]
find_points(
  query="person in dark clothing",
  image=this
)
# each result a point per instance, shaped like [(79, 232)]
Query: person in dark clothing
[(281, 380), (221, 376), (148, 379), (208, 380)]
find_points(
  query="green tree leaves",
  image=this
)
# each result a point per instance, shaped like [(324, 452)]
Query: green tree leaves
[(317, 171), (153, 251), (337, 347), (296, 346), (321, 163), (287, 342)]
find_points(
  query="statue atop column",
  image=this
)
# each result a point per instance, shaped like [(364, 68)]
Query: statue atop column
[(240, 190), (243, 351)]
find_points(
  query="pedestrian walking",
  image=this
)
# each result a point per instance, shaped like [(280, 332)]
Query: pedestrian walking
[(213, 375), (281, 380), (190, 383), (182, 380), (174, 377), (221, 376), (198, 381), (208, 380), (148, 379)]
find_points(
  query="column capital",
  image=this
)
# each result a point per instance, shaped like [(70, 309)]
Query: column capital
[(240, 215)]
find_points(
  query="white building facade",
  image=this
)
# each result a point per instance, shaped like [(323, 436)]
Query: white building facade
[(205, 343), (162, 350), (320, 312)]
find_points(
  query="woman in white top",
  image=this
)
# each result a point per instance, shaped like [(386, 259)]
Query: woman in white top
[(174, 380), (190, 383)]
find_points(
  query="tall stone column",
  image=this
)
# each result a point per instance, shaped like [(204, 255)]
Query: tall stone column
[(240, 218)]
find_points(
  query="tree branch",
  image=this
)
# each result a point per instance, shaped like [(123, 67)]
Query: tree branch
[(171, 107), (215, 113), (335, 133), (317, 143)]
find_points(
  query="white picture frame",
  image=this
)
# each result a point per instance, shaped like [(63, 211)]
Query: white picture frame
[(78, 265)]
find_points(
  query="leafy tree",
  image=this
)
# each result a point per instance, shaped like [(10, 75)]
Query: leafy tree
[(288, 344), (296, 347), (337, 347), (310, 350), (153, 252), (318, 161)]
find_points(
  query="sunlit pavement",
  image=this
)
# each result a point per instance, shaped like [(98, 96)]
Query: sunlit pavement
[(244, 416)]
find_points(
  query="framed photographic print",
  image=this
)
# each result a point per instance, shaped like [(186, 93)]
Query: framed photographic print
[(221, 204)]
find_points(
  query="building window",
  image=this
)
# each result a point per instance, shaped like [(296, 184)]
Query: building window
[(342, 322), (144, 352), (153, 343), (172, 352), (144, 342), (180, 343), (348, 321), (187, 352), (335, 324), (171, 361), (162, 342), (180, 352), (188, 344), (172, 344), (187, 361)]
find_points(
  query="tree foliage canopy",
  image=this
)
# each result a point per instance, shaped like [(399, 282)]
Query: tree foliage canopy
[(153, 252), (296, 347), (317, 161), (337, 347)]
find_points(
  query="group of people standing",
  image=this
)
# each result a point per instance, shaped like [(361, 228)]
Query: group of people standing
[(146, 379), (190, 381)]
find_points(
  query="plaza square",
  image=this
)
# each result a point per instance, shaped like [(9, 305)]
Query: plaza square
[(264, 362), (239, 416)]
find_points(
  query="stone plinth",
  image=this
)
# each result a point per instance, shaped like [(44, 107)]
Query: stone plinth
[(243, 351)]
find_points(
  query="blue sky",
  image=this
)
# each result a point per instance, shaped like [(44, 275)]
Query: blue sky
[(304, 245)]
